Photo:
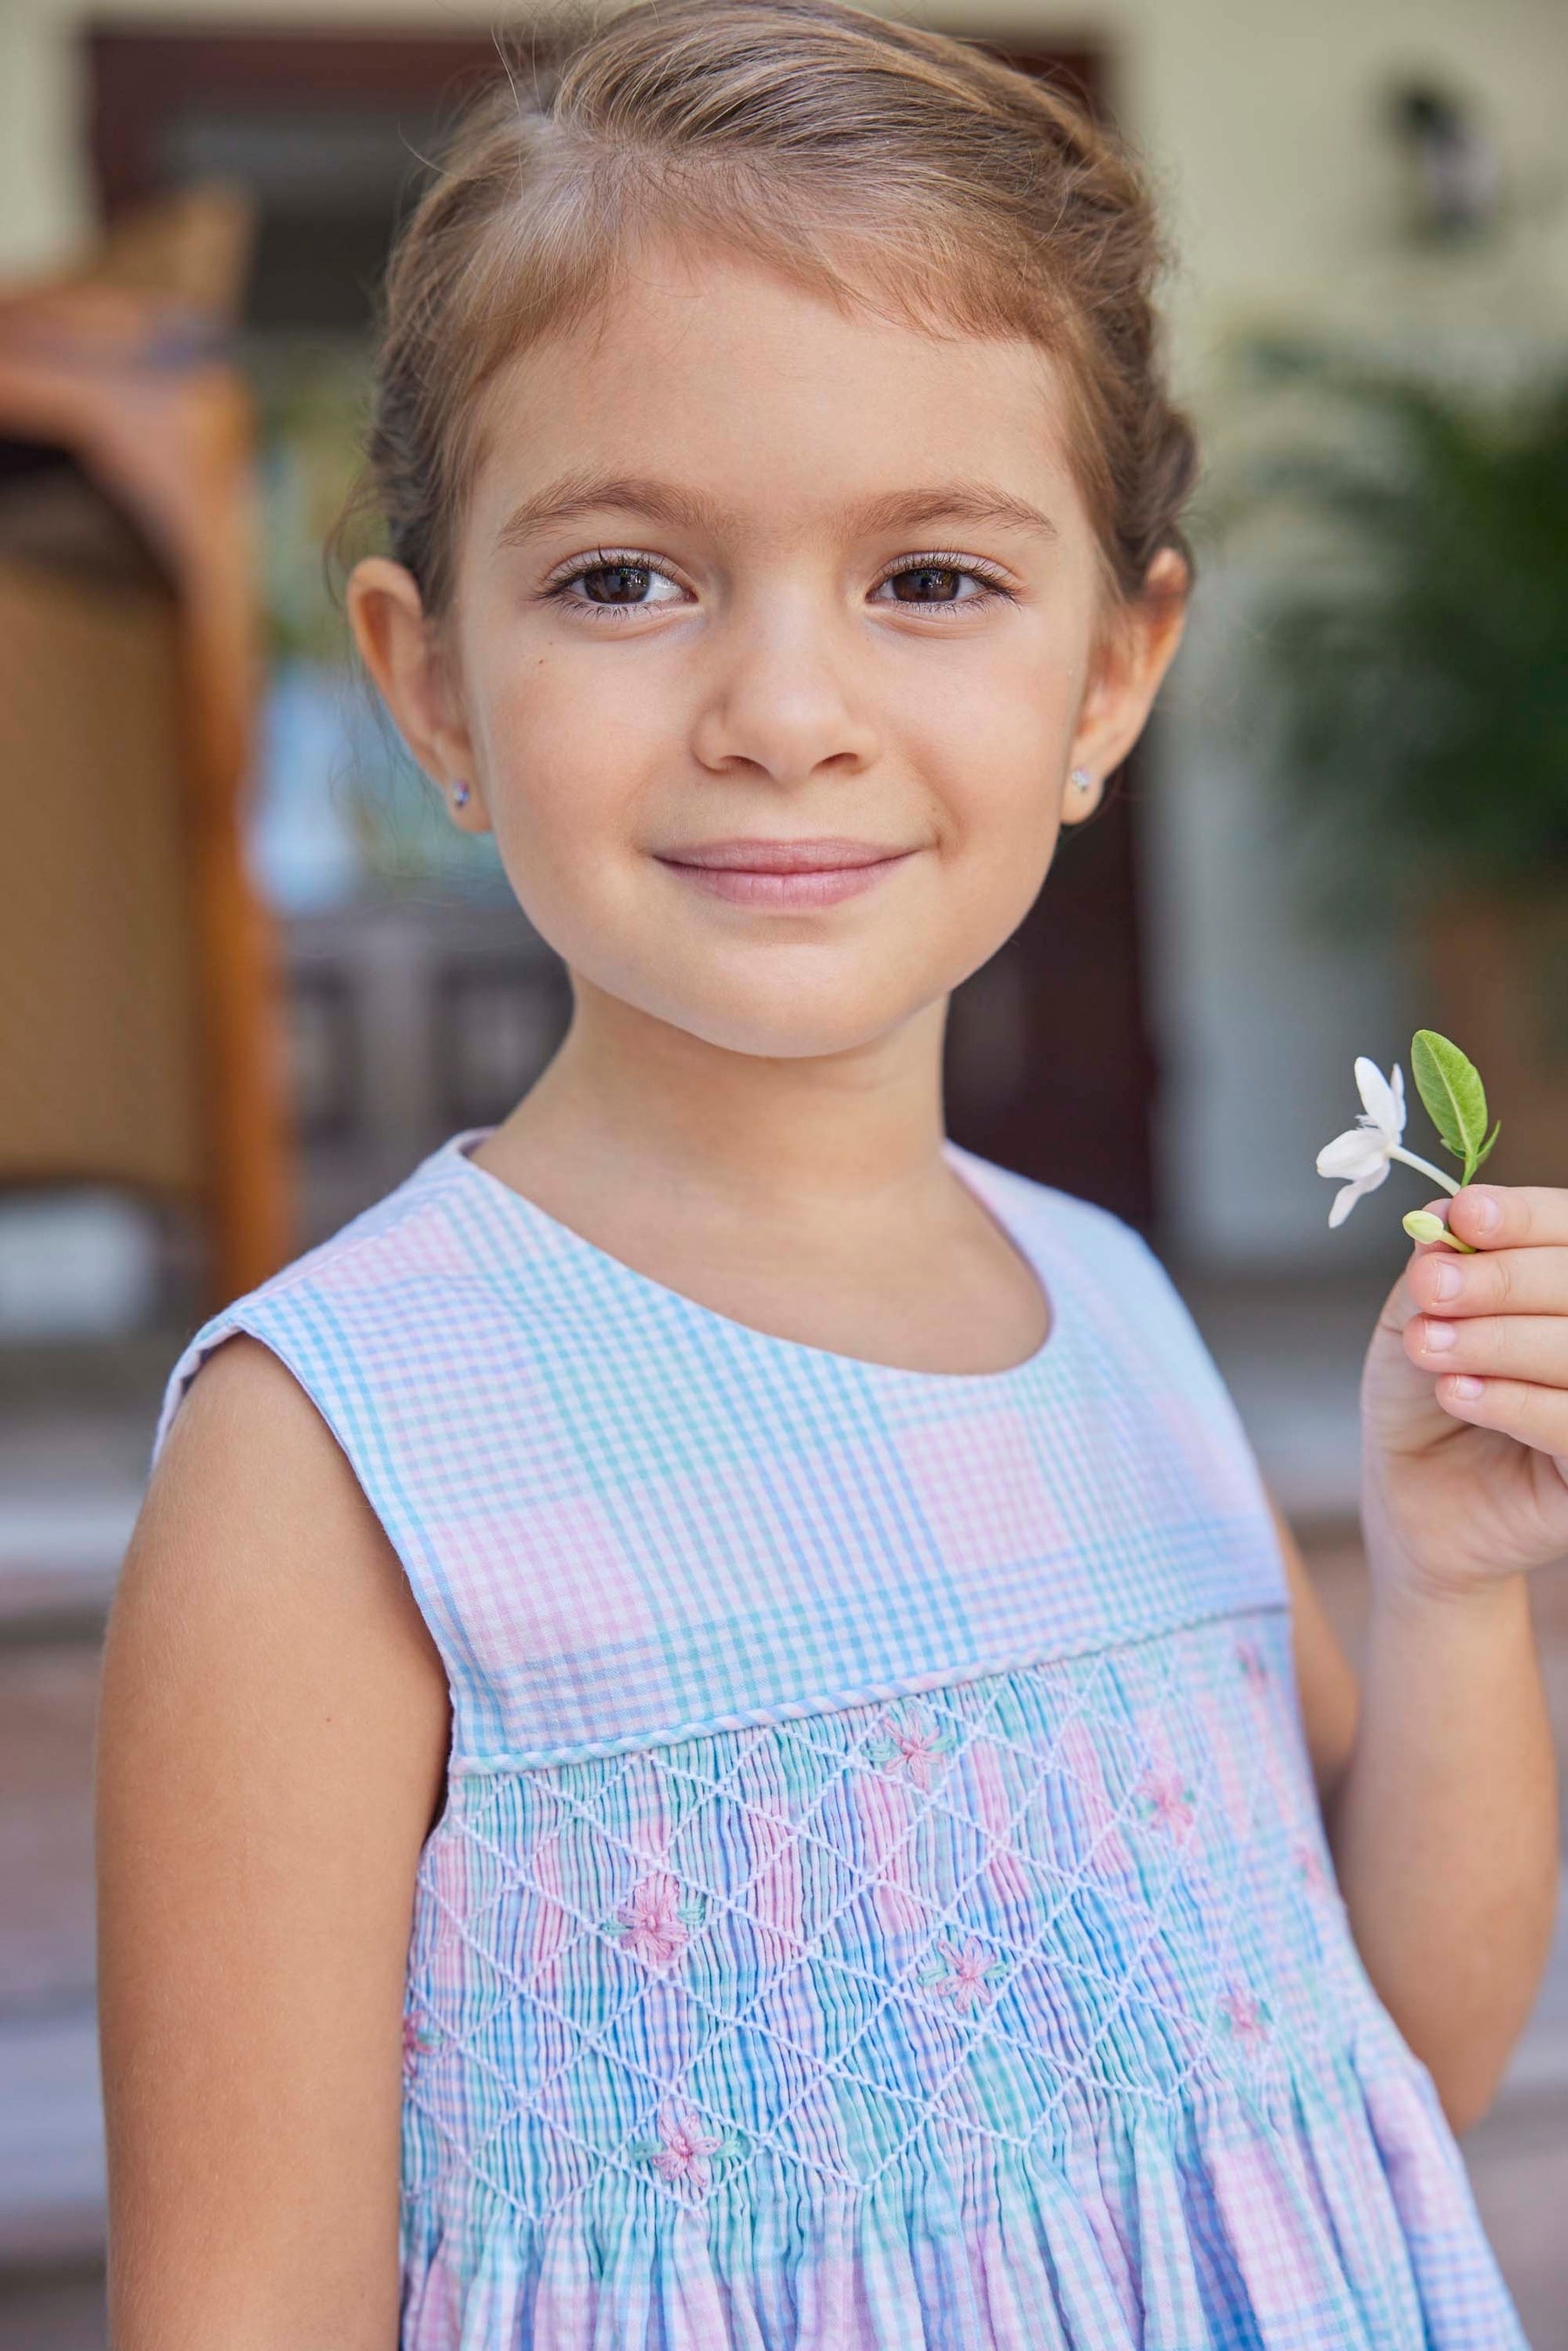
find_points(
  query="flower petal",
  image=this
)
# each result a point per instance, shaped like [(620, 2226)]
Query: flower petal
[(1360, 1153), (1345, 1200), (1384, 1102)]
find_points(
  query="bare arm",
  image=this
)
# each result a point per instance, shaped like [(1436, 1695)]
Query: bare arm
[(1325, 1677), (1439, 1788), (271, 1753)]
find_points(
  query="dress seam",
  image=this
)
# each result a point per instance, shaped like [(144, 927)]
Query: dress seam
[(759, 1717)]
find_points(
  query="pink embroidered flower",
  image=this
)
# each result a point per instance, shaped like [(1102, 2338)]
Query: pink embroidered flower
[(1248, 2018), (911, 1746), (962, 1981), (683, 2149), (417, 2043), (1167, 1800), (1254, 1664), (655, 1925)]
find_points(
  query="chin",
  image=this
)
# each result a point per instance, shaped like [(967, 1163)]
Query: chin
[(785, 1038), (784, 1023)]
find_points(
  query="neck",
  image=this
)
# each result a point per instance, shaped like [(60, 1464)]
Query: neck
[(627, 1090)]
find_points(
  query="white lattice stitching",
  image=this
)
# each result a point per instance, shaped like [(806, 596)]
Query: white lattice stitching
[(588, 1812), (1066, 2070), (842, 1758), (728, 2018), (712, 1793), (731, 2023), (468, 2153), (507, 1974), (728, 2023), (585, 2038), (719, 1899), (722, 1901), (1038, 1764), (987, 2026), (515, 2108), (592, 2037), (466, 1826), (613, 2054), (599, 2160), (1223, 1941), (889, 1992)]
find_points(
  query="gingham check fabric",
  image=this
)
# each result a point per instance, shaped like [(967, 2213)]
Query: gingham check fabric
[(880, 1899)]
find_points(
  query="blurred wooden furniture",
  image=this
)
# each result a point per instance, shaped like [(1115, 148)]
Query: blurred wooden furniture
[(140, 1029)]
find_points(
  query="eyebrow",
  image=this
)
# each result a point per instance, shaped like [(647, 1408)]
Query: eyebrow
[(577, 494)]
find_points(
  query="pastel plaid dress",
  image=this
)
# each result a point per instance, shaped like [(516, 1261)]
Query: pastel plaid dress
[(880, 1899)]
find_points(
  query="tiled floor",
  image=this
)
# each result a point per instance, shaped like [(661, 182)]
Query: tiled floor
[(71, 1455)]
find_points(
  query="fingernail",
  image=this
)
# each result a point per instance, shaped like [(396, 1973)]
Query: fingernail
[(1467, 1387), (1484, 1212), (1438, 1337), (1446, 1281)]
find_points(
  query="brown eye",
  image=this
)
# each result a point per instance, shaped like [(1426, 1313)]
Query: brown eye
[(616, 583), (929, 583)]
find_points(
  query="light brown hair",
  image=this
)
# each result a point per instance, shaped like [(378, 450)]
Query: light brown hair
[(878, 162)]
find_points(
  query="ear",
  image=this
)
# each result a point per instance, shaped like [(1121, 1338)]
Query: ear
[(401, 648), (1137, 646)]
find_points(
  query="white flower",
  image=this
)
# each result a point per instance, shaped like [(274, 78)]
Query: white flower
[(1361, 1155)]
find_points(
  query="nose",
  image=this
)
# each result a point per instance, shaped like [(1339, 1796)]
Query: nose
[(781, 699)]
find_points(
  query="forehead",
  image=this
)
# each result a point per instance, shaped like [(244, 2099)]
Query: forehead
[(782, 403)]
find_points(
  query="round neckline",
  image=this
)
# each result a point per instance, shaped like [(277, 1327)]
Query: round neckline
[(455, 1151)]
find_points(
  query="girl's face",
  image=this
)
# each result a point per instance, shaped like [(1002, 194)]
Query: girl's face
[(745, 583)]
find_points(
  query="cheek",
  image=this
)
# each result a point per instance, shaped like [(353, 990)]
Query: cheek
[(993, 739), (562, 754)]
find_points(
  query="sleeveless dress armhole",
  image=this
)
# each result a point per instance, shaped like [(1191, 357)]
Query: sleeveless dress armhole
[(250, 1316)]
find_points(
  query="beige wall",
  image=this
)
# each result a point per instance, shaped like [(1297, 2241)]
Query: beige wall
[(1261, 118)]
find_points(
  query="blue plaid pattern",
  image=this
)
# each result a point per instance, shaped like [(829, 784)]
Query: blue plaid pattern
[(881, 1897)]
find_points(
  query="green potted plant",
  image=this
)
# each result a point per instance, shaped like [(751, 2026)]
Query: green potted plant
[(1412, 680)]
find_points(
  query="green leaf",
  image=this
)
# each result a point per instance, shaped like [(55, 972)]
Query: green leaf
[(1449, 1084), (1485, 1151)]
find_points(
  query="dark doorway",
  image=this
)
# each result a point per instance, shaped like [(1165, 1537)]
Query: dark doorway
[(1049, 1065)]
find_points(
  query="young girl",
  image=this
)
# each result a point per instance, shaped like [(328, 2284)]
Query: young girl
[(709, 1737)]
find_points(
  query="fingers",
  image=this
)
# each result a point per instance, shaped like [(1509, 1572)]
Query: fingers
[(1509, 1216), (1493, 1346), (1492, 1327), (1494, 1281), (1535, 1416)]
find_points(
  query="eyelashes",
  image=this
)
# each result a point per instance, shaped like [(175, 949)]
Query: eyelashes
[(608, 561), (991, 583), (985, 583)]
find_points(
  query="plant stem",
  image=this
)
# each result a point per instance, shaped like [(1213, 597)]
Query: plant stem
[(1413, 1159)]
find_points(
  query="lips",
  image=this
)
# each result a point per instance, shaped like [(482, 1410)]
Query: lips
[(815, 856), (791, 875)]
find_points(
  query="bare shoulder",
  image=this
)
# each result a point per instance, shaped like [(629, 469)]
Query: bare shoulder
[(273, 1730), (254, 1515)]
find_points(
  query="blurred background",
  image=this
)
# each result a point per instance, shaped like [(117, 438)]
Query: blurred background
[(249, 974)]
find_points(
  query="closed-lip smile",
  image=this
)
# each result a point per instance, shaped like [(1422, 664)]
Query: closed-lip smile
[(784, 873)]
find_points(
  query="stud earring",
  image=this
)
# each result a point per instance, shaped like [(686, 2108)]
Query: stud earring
[(460, 792), (1082, 781)]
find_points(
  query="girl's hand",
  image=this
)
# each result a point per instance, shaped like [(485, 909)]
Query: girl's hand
[(1464, 1399)]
